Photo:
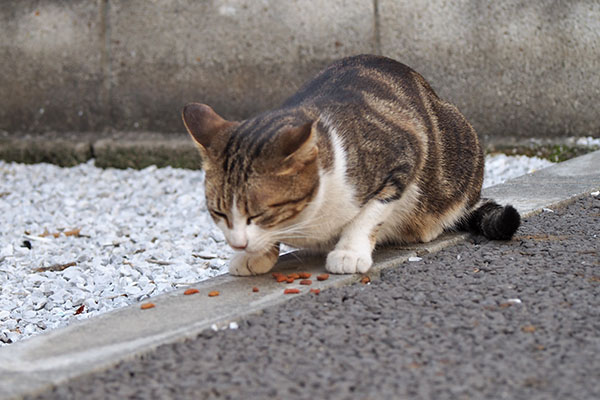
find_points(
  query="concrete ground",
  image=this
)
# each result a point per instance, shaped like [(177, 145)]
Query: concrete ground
[(447, 326)]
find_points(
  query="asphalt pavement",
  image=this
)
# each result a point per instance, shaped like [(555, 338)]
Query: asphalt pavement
[(479, 320)]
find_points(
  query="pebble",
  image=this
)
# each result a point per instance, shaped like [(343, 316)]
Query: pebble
[(142, 233)]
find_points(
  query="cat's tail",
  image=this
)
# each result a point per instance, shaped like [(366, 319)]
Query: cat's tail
[(492, 220)]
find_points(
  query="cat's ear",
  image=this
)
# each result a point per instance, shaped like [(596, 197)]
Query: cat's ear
[(206, 127), (298, 147)]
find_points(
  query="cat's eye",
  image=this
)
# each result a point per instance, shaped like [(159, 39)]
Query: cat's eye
[(218, 214), (252, 217)]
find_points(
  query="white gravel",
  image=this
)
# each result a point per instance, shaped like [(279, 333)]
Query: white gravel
[(500, 167), (141, 233)]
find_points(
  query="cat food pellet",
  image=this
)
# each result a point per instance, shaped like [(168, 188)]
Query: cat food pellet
[(306, 282), (290, 280), (74, 232), (291, 291), (190, 291), (323, 277), (213, 293), (293, 276), (315, 291), (304, 275), (276, 274), (255, 289), (146, 306), (365, 279), (281, 278), (528, 328)]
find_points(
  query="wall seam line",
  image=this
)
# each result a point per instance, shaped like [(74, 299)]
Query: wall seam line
[(377, 27), (106, 62)]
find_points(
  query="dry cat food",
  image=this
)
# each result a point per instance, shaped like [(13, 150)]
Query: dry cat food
[(291, 291), (190, 291), (365, 279), (213, 293), (290, 280), (255, 289), (146, 306), (315, 291), (323, 277), (528, 328), (306, 282), (279, 277), (72, 232)]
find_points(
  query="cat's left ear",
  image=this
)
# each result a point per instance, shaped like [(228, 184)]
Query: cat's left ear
[(298, 147), (206, 127)]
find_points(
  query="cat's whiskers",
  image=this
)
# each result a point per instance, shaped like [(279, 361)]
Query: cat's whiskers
[(302, 225), (289, 239), (264, 242), (269, 240)]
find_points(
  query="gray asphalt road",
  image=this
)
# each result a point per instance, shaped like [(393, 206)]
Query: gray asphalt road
[(441, 328)]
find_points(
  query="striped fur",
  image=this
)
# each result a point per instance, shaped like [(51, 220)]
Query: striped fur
[(365, 153)]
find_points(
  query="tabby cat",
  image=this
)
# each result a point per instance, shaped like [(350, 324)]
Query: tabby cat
[(364, 154)]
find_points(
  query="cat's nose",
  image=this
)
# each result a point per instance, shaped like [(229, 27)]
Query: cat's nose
[(237, 238), (239, 247), (238, 243)]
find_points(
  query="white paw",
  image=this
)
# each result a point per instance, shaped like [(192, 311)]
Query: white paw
[(348, 262), (244, 264)]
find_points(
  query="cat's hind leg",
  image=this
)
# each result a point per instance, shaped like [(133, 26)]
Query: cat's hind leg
[(245, 264), (353, 252)]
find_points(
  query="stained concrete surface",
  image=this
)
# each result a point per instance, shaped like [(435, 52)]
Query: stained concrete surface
[(514, 68), (502, 320)]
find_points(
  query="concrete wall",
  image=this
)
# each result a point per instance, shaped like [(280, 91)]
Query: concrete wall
[(515, 68)]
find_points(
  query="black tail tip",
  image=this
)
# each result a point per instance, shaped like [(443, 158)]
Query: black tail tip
[(492, 220), (509, 222)]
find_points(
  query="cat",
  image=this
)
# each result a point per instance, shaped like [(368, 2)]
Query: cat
[(363, 154)]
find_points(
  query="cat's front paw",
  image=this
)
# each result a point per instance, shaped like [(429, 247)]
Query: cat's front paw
[(245, 264), (348, 262)]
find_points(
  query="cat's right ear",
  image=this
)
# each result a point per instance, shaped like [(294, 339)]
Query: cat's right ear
[(206, 127)]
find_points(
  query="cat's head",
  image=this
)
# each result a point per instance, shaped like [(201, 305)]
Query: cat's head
[(260, 174)]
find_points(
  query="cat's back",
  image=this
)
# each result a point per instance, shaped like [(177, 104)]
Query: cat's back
[(353, 78)]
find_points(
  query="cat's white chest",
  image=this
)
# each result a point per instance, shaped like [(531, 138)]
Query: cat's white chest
[(334, 205)]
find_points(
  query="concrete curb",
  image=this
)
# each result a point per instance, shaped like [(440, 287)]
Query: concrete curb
[(33, 365), (115, 150), (141, 149)]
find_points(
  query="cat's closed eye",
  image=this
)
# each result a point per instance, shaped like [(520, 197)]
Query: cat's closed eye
[(253, 217), (217, 214)]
